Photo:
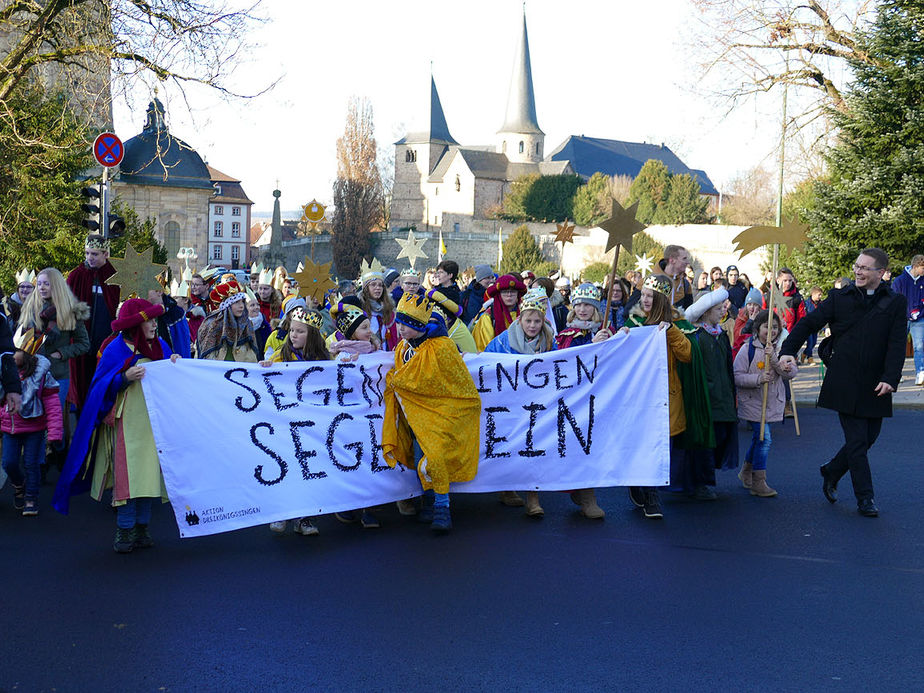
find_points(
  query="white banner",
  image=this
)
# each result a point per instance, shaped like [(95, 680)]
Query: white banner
[(242, 445)]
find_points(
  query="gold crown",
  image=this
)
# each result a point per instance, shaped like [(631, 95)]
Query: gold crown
[(96, 242), (26, 276), (535, 299), (306, 317), (659, 283), (416, 307), (27, 341)]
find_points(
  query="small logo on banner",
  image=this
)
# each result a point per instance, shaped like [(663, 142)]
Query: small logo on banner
[(192, 518)]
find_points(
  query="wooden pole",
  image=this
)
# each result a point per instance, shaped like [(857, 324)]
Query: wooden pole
[(609, 291), (795, 413), (763, 406)]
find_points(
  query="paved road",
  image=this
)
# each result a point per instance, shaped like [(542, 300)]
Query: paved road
[(739, 594)]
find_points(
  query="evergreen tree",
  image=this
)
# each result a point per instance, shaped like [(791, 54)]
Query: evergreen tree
[(550, 198), (684, 203), (141, 234), (875, 195), (651, 188), (592, 201), (521, 252), (514, 207)]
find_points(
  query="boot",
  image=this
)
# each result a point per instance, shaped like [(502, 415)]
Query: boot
[(442, 520), (124, 540), (587, 499), (143, 538), (745, 475), (759, 484), (533, 509), (425, 515), (511, 499)]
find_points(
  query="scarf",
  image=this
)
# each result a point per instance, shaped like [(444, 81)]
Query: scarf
[(222, 329), (586, 325), (714, 330), (519, 343)]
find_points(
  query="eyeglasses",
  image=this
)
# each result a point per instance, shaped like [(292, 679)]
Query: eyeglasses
[(864, 269)]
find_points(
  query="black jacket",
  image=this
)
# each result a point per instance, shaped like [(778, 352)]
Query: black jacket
[(9, 375), (472, 300), (869, 348)]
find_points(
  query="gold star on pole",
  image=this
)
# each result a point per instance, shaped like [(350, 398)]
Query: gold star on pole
[(792, 234), (314, 280), (621, 226), (136, 273), (411, 248), (565, 233)]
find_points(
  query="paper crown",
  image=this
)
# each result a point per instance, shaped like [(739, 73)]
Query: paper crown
[(348, 317), (414, 310), (535, 299), (306, 317), (410, 272), (446, 303), (255, 268), (371, 271), (96, 242), (179, 288), (26, 276), (265, 277), (222, 292), (586, 293), (659, 283), (187, 275), (27, 340), (208, 274)]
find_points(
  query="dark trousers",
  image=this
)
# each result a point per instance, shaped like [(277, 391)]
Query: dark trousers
[(859, 435)]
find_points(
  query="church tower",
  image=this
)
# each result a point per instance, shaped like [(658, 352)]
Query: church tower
[(520, 137), (416, 155)]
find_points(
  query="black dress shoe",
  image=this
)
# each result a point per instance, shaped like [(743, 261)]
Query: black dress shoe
[(867, 508), (828, 487)]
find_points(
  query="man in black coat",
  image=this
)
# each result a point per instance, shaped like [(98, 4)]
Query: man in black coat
[(867, 322), (9, 374)]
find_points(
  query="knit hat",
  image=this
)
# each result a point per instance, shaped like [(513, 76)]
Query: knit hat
[(226, 293), (444, 302), (483, 272), (347, 318), (659, 283), (563, 283), (706, 302), (754, 296), (134, 312), (586, 293), (414, 311), (391, 274)]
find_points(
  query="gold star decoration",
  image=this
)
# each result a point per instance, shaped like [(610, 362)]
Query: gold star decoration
[(314, 212), (621, 226), (314, 280), (411, 248), (565, 233), (792, 234), (644, 264), (136, 273)]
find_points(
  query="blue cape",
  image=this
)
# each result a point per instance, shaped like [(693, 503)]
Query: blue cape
[(77, 476)]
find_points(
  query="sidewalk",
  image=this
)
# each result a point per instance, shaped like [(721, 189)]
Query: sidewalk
[(808, 383)]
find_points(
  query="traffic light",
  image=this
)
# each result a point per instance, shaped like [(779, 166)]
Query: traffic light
[(91, 207), (116, 227)]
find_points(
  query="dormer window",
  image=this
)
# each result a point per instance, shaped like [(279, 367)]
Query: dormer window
[(458, 184), (217, 189)]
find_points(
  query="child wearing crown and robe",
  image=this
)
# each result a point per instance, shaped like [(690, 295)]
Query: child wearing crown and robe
[(113, 445), (432, 409)]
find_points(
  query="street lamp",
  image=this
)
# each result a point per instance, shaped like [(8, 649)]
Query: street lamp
[(187, 254)]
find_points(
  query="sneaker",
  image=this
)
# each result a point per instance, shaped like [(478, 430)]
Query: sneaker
[(652, 506), (637, 496), (442, 521), (279, 527), (407, 507), (347, 518), (30, 509), (368, 520), (19, 496), (919, 380), (425, 514), (305, 528), (703, 493), (143, 538), (124, 540)]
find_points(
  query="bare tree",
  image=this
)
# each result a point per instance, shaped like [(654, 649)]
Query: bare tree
[(752, 199), (357, 189), (752, 46)]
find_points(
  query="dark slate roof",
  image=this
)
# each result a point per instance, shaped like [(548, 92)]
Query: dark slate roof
[(438, 130), (231, 188), (589, 155), (521, 101), (155, 157), (492, 165)]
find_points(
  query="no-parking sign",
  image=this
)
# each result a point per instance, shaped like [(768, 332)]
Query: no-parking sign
[(108, 150)]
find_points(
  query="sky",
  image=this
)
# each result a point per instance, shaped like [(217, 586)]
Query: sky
[(619, 70)]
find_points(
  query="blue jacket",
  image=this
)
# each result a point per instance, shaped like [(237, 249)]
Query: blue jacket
[(913, 290)]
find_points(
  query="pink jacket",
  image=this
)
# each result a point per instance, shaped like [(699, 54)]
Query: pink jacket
[(750, 393), (51, 419)]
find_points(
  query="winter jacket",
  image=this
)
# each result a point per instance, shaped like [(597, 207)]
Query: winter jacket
[(737, 294), (717, 359), (472, 299), (912, 288), (9, 379), (41, 406), (749, 364), (865, 353), (793, 310), (68, 343)]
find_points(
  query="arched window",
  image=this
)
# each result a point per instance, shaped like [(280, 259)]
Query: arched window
[(172, 238), (521, 146), (410, 156), (537, 149)]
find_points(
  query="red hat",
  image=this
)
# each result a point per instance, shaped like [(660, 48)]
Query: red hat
[(508, 281), (134, 312)]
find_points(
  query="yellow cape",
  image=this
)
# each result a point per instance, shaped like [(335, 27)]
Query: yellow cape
[(440, 405)]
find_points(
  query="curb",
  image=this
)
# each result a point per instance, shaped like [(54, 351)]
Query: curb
[(907, 406)]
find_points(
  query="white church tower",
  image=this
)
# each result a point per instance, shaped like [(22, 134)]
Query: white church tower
[(520, 138)]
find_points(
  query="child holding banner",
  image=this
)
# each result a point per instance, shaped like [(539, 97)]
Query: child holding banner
[(431, 404), (354, 334), (303, 342), (113, 446), (584, 319)]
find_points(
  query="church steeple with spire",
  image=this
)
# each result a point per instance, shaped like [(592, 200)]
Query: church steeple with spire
[(520, 137)]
